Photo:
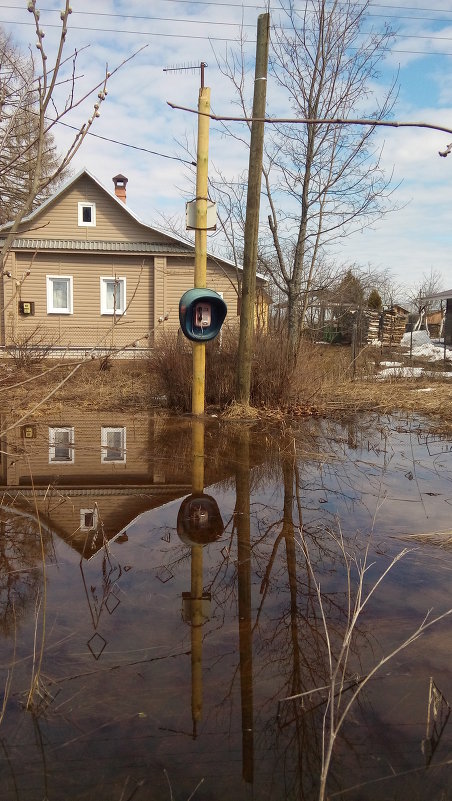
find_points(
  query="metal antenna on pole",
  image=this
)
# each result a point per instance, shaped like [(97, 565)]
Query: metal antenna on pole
[(188, 68)]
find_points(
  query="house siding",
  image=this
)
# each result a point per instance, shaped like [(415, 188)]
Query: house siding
[(86, 326)]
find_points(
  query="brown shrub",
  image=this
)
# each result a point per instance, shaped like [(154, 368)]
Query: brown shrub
[(171, 368), (273, 383)]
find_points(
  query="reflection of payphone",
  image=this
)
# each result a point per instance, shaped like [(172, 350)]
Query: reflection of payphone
[(199, 520), (201, 314)]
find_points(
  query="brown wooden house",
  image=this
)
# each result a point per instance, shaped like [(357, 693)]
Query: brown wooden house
[(85, 273)]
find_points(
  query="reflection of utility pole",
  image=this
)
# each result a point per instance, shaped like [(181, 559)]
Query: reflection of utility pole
[(244, 591), (200, 278), (198, 523), (196, 579)]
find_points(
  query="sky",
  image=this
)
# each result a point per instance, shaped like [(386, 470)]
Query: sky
[(146, 140)]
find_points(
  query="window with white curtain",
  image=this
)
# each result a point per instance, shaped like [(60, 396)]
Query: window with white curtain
[(59, 294), (112, 295), (113, 444)]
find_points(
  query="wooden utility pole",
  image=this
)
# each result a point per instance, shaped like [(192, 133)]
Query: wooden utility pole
[(202, 157), (247, 310)]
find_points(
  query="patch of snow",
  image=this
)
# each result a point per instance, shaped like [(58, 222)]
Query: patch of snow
[(433, 352), (419, 338), (401, 372), (411, 372), (424, 347), (390, 364)]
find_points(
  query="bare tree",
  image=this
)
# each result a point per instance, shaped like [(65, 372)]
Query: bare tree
[(37, 88), (18, 133), (322, 180), (430, 284)]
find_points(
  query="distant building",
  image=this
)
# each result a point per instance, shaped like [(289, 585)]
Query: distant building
[(444, 297)]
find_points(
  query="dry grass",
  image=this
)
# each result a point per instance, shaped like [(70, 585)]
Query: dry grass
[(323, 384), (419, 396), (240, 411), (439, 539), (126, 385)]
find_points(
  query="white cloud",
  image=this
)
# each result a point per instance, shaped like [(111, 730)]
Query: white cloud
[(409, 241)]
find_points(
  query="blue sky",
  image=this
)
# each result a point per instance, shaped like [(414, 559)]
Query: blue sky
[(410, 242)]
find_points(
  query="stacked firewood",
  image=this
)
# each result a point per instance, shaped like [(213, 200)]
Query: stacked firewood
[(392, 327)]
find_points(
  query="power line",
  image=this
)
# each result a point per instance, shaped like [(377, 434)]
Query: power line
[(115, 15), (160, 34), (134, 33), (220, 24), (126, 144), (240, 6), (214, 22)]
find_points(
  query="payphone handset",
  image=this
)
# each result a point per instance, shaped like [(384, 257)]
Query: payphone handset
[(202, 316)]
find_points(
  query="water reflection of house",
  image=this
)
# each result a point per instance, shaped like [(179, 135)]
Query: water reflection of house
[(89, 475)]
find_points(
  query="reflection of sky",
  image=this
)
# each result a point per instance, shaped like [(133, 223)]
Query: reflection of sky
[(128, 712)]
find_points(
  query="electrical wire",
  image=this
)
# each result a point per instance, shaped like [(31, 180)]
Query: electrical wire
[(238, 6), (127, 144), (220, 23), (209, 38), (116, 31)]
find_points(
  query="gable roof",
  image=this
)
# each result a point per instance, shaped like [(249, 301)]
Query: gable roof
[(73, 180), (181, 244)]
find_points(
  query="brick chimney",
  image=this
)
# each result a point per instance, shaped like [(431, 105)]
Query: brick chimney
[(120, 182)]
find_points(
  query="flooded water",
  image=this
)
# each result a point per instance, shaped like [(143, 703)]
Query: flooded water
[(207, 611)]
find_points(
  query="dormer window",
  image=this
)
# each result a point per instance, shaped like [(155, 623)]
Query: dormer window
[(87, 214)]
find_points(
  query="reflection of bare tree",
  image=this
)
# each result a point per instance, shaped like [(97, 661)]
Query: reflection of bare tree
[(104, 596), (20, 567), (294, 642)]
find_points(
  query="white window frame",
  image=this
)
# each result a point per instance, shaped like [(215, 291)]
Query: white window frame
[(53, 430), (51, 309), (83, 513), (82, 223), (104, 455), (104, 280)]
